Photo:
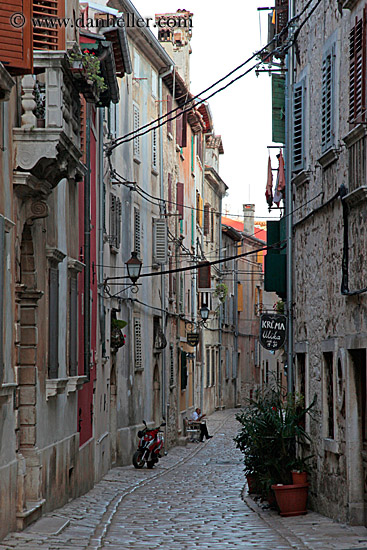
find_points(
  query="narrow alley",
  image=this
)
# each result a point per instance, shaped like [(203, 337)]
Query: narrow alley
[(191, 500)]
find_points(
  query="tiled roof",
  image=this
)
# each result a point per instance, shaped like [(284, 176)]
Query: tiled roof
[(215, 142)]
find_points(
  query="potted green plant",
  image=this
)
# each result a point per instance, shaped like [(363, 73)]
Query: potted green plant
[(86, 68), (272, 427)]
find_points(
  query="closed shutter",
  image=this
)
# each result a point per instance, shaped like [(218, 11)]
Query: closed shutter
[(118, 222), (357, 71), (278, 108), (207, 367), (138, 358), (179, 129), (204, 276), (239, 297), (206, 219), (212, 225), (234, 364), (73, 327), (154, 148), (16, 50), (137, 231), (49, 35), (183, 370), (298, 127), (160, 241), (213, 368), (2, 268), (83, 129), (281, 12), (136, 125), (184, 130), (201, 211), (169, 109), (327, 109), (171, 366), (180, 199), (112, 219), (227, 363), (53, 322), (170, 201)]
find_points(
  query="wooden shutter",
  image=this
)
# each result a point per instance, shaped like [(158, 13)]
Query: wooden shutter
[(183, 370), (169, 108), (204, 277), (170, 193), (327, 111), (357, 72), (138, 358), (2, 268), (179, 129), (184, 130), (112, 219), (118, 222), (160, 241), (298, 127), (281, 13), (136, 125), (239, 297), (278, 108), (50, 33), (206, 219), (16, 49), (180, 199), (73, 326), (137, 231), (53, 322)]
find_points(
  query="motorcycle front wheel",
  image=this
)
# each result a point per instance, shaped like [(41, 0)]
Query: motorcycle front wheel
[(138, 459)]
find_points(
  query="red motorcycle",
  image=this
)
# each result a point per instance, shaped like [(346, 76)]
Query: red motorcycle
[(150, 444)]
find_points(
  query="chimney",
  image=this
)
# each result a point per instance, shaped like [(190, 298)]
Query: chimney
[(174, 34), (248, 218)]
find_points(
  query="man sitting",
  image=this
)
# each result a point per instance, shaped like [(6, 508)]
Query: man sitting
[(197, 417)]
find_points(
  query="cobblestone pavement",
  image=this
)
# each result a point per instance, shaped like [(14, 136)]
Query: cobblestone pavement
[(190, 501)]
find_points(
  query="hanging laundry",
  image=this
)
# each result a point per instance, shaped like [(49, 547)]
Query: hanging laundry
[(269, 186), (279, 193)]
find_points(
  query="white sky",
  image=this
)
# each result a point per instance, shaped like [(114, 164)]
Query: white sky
[(224, 35)]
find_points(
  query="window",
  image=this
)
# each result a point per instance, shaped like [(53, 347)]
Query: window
[(213, 368), (357, 63), (206, 219), (115, 221), (48, 37), (154, 83), (138, 358), (154, 148), (136, 125), (137, 232), (183, 370), (160, 241), (16, 43), (328, 405), (327, 110), (73, 324), (53, 320), (298, 126), (180, 199)]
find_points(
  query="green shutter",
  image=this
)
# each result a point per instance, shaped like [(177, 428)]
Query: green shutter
[(278, 112), (276, 259)]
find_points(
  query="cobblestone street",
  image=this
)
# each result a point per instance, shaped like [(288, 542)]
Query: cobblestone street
[(191, 500)]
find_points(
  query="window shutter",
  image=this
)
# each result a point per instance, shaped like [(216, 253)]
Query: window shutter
[(207, 367), (234, 363), (160, 241), (171, 366), (239, 297), (136, 125), (298, 127), (137, 230), (179, 129), (227, 363), (2, 267), (83, 129), (49, 37), (212, 225), (183, 370), (118, 222), (169, 108), (154, 148), (16, 50), (327, 116), (184, 130), (206, 219), (281, 12), (170, 201), (53, 322), (180, 199), (357, 72), (112, 219), (73, 327), (204, 277), (138, 359)]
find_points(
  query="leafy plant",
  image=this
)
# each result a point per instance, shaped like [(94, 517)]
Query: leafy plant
[(279, 306), (40, 99), (221, 291), (92, 66), (272, 426)]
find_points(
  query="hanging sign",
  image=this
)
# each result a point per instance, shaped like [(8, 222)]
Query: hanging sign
[(273, 330), (193, 338)]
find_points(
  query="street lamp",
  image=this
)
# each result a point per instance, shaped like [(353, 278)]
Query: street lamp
[(134, 267), (204, 312)]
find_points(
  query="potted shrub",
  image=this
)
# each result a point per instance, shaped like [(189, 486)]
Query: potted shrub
[(271, 427)]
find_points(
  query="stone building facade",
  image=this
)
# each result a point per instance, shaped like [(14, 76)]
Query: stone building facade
[(328, 181)]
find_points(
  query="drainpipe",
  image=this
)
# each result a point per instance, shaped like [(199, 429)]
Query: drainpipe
[(102, 312), (87, 249), (235, 313), (289, 224), (165, 407)]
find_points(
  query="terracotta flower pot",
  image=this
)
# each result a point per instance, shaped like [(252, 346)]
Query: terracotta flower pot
[(291, 499), (299, 478), (252, 484)]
